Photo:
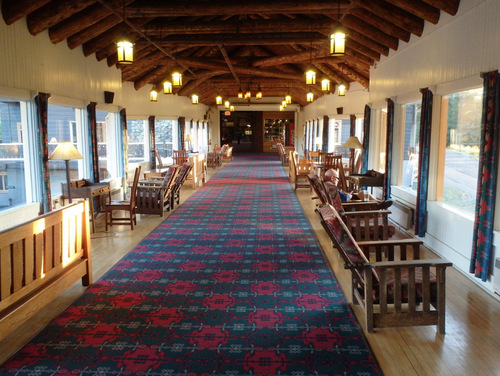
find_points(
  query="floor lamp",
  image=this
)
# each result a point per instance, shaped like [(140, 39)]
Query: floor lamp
[(353, 144), (66, 151)]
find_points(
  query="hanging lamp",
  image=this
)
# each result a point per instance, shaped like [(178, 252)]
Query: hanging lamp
[(167, 87), (153, 95), (337, 37), (231, 108), (310, 75), (258, 95), (288, 99), (341, 89), (194, 99), (325, 84), (124, 46), (218, 99), (227, 104), (240, 93), (310, 96), (176, 78)]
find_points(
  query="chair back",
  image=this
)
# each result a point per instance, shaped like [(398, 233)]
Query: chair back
[(133, 191), (159, 162), (180, 157), (322, 157), (318, 188), (334, 161), (333, 197), (314, 155)]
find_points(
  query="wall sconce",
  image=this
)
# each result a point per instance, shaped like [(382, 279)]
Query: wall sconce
[(66, 151), (167, 87), (194, 99), (341, 90), (218, 99), (288, 99), (153, 95), (125, 50), (325, 84), (310, 75), (227, 104), (310, 96), (176, 78)]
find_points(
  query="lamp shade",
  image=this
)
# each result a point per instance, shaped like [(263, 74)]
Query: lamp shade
[(167, 87), (125, 50), (218, 99), (65, 151), (337, 41), (153, 95), (176, 78), (288, 99), (310, 96), (353, 143), (341, 90), (227, 104), (189, 138), (310, 75), (325, 84), (194, 99)]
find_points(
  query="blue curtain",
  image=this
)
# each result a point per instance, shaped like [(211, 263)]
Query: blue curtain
[(324, 146), (42, 106), (486, 183), (424, 146), (124, 165), (388, 148), (152, 145), (352, 131), (93, 146), (366, 137)]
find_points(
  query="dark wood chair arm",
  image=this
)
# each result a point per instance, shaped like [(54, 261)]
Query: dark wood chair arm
[(410, 263)]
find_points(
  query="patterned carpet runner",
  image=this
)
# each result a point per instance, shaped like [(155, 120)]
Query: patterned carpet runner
[(232, 283)]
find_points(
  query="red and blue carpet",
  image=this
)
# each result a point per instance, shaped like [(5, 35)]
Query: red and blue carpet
[(232, 283)]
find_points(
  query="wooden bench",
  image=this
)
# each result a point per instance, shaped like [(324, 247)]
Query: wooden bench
[(390, 282), (40, 259)]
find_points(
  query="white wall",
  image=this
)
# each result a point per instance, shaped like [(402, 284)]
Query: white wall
[(449, 55)]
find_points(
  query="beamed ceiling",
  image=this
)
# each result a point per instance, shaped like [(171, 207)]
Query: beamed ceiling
[(223, 45)]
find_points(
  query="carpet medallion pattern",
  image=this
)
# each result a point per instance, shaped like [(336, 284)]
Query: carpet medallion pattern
[(232, 283)]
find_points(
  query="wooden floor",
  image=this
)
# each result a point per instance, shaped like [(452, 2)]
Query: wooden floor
[(471, 346)]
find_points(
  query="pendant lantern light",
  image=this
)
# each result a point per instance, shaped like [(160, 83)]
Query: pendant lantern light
[(325, 84), (194, 99), (310, 75), (337, 37), (176, 78), (282, 108), (341, 90), (310, 96), (227, 104), (153, 95), (240, 94), (218, 99), (167, 87), (124, 46), (283, 103), (288, 99), (231, 108), (258, 95)]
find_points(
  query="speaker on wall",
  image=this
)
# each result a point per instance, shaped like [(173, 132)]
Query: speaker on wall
[(109, 96), (340, 110)]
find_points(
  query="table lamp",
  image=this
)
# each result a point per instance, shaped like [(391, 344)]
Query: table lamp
[(66, 151), (189, 138), (354, 144)]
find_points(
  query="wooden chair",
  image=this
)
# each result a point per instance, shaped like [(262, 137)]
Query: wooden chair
[(389, 281), (159, 161), (154, 196), (180, 157), (314, 155), (182, 175), (124, 205), (211, 159), (228, 154), (299, 171), (334, 161)]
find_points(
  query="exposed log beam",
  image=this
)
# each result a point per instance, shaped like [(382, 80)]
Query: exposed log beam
[(393, 14), (93, 31), (242, 39), (192, 85), (82, 20), (222, 7), (322, 25), (369, 31), (151, 77), (368, 42), (380, 24), (418, 8), (296, 57), (352, 74), (229, 64), (13, 10), (150, 58), (331, 74), (55, 12), (448, 6), (362, 52)]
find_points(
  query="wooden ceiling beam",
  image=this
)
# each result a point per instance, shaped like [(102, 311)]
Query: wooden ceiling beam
[(353, 75), (82, 20), (151, 77), (394, 15), (238, 7), (370, 31), (229, 64), (14, 10), (362, 52), (418, 8), (150, 58), (296, 57), (368, 42), (192, 85), (242, 39), (163, 27), (93, 31), (448, 6), (380, 24), (53, 13)]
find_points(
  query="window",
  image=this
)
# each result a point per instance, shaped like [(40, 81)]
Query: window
[(165, 134), (411, 119), (63, 124), (462, 112), (137, 140), (106, 144), (12, 165)]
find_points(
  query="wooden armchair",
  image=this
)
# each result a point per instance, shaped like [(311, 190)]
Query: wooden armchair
[(334, 161), (299, 169), (390, 282), (124, 205), (181, 177), (154, 196), (228, 154), (180, 157)]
